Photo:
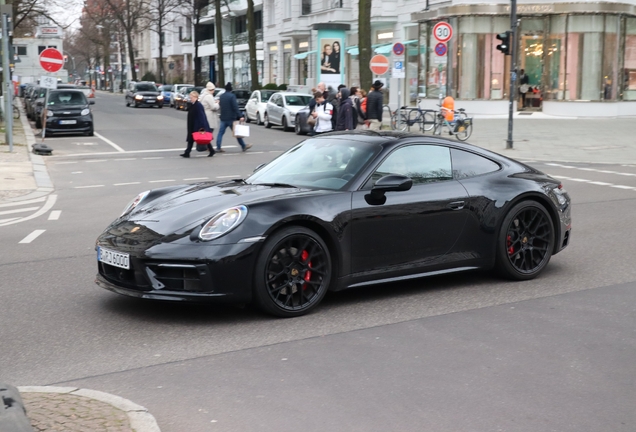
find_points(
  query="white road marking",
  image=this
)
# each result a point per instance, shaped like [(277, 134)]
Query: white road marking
[(160, 181), (196, 178), (96, 160), (155, 157), (20, 210), (126, 184), (87, 187), (124, 159), (593, 169), (17, 203), (65, 163), (77, 172), (35, 234), (50, 202), (109, 142), (7, 220), (596, 182), (600, 183), (623, 187), (55, 214), (230, 176)]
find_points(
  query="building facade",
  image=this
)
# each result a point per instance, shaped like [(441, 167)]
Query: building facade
[(27, 51)]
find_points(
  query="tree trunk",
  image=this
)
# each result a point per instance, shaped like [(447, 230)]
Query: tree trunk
[(251, 39), (131, 55), (364, 43), (218, 20), (160, 65)]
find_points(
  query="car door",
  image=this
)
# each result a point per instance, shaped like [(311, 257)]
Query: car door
[(252, 105), (274, 109), (414, 228)]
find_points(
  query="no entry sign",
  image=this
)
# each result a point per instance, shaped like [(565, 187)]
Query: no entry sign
[(51, 60), (379, 64)]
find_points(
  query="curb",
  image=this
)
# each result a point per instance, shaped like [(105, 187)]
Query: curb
[(140, 419)]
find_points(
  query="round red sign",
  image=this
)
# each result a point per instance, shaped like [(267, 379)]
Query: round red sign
[(51, 60), (379, 64), (443, 31)]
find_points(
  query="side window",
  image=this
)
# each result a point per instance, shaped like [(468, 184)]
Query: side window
[(422, 163), (466, 164)]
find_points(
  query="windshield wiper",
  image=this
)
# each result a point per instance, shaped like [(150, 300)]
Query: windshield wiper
[(281, 185)]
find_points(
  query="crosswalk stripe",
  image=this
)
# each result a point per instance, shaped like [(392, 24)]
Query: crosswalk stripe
[(35, 234)]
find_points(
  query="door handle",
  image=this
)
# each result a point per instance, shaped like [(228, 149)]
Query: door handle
[(456, 205)]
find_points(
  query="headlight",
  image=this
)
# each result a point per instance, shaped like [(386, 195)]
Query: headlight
[(139, 97), (135, 202), (223, 223), (49, 113), (85, 111), (159, 97)]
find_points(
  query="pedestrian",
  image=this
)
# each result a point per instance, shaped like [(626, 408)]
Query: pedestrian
[(355, 107), (322, 114), (524, 80), (229, 114), (362, 109), (322, 88), (196, 121), (210, 105), (375, 101), (345, 112)]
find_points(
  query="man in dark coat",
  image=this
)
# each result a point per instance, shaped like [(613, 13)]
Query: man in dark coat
[(196, 121), (229, 114), (345, 111), (375, 100)]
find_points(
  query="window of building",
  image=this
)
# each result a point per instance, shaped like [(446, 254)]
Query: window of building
[(584, 57), (629, 78), (610, 57), (258, 20), (287, 9), (305, 8), (555, 54), (21, 50), (411, 58), (41, 48)]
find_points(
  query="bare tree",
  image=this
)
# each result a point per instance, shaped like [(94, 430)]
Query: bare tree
[(251, 40), (161, 14), (218, 20), (364, 42), (195, 9), (27, 12)]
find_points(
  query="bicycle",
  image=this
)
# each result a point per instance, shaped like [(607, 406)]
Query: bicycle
[(16, 112), (461, 126), (410, 116)]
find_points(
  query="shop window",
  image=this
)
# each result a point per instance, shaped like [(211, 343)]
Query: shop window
[(554, 46), (610, 57), (629, 71), (584, 57), (411, 57), (422, 60)]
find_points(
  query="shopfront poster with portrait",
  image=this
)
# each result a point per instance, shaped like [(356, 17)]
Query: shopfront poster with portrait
[(331, 57)]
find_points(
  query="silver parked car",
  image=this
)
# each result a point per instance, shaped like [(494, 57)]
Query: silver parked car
[(282, 108), (257, 105)]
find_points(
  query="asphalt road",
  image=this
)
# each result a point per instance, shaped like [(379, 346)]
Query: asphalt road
[(465, 352)]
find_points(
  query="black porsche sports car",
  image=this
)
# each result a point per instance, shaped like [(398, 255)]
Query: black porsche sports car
[(339, 210)]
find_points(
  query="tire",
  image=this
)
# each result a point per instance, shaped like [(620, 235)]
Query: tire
[(293, 272), (258, 119), (429, 121), (159, 106), (247, 118), (403, 122), (525, 243), (266, 122), (127, 103), (284, 124), (463, 136), (38, 124), (297, 128)]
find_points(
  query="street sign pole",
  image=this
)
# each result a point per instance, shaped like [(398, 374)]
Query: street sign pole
[(513, 70), (6, 11)]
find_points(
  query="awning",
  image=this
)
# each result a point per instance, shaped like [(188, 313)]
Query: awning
[(409, 42), (384, 49), (354, 49), (303, 55)]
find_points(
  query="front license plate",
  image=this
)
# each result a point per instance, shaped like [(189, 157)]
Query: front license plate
[(68, 122), (116, 259)]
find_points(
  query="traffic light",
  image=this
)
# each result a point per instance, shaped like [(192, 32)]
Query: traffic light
[(504, 46)]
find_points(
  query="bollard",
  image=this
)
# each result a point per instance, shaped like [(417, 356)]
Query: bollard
[(13, 416)]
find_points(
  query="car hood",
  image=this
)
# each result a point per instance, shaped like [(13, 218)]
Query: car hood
[(147, 93), (185, 207), (67, 107)]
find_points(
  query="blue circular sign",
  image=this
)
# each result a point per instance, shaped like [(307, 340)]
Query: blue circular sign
[(398, 49), (440, 49)]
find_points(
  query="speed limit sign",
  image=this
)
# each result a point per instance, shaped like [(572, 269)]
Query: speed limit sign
[(443, 31)]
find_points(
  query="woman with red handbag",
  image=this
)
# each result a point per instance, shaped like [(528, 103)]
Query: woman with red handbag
[(197, 123)]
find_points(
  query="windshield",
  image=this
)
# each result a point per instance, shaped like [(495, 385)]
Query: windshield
[(146, 87), (318, 163), (296, 100), (266, 95), (57, 98), (166, 88)]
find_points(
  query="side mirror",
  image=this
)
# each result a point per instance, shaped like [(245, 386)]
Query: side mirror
[(91, 102), (389, 183)]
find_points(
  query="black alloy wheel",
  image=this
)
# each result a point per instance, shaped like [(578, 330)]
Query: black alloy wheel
[(293, 273), (526, 241), (266, 121), (285, 127)]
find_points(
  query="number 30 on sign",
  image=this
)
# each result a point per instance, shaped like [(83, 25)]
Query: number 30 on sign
[(443, 31)]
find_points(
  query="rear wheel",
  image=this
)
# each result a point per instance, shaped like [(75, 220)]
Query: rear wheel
[(284, 124), (429, 121), (258, 119), (266, 122), (464, 134), (401, 125), (293, 272), (526, 241)]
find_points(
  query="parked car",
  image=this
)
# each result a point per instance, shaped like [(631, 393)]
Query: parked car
[(218, 92), (68, 110), (166, 92), (282, 108), (182, 100), (143, 93), (175, 89), (257, 104), (36, 103), (300, 122), (336, 211), (32, 93), (242, 96)]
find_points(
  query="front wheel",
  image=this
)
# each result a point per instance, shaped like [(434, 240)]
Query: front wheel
[(526, 241), (285, 127), (268, 125), (402, 125), (429, 121), (258, 119), (464, 134), (293, 272)]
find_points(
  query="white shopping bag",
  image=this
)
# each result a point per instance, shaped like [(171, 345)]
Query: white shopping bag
[(241, 130)]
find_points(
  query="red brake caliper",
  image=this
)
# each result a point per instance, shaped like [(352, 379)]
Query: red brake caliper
[(307, 276), (511, 250)]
